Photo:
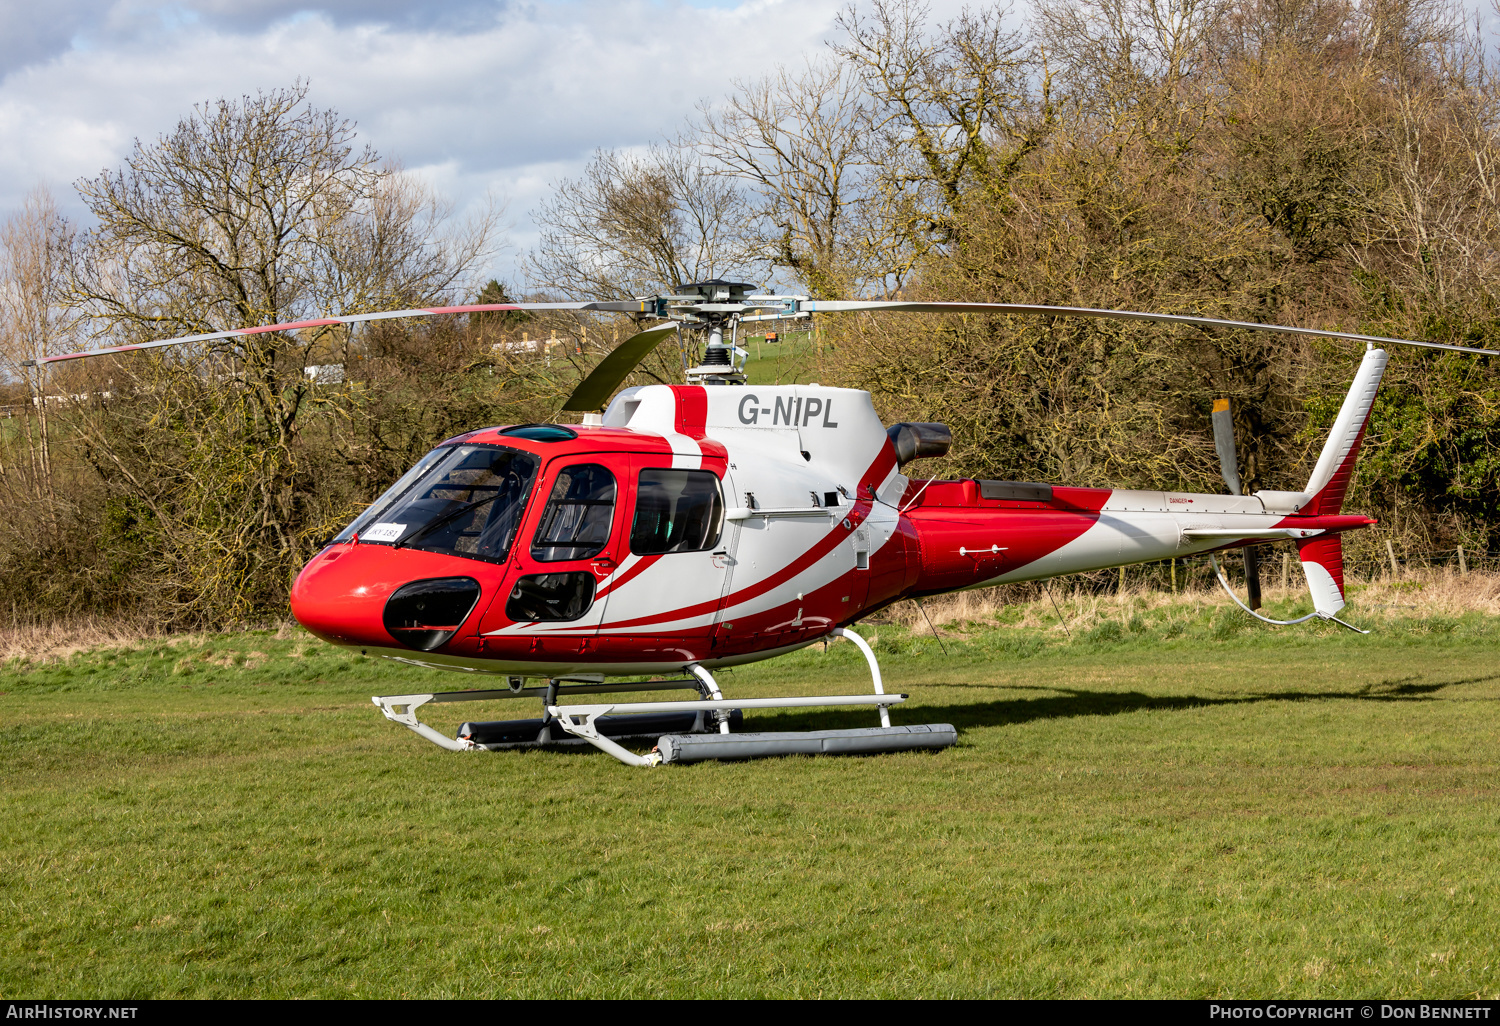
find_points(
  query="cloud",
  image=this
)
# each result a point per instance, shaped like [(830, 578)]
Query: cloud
[(477, 96), (34, 32), (445, 15), (30, 31)]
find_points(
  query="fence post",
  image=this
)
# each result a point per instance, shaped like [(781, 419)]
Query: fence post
[(1463, 564), (1390, 550), (1174, 577), (1286, 570)]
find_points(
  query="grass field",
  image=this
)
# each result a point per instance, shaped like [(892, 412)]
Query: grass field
[(790, 362), (1162, 801)]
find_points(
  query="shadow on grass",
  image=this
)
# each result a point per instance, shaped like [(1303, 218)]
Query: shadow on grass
[(1062, 703), (1057, 702)]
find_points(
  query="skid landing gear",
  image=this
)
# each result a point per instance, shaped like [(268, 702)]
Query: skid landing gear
[(686, 731)]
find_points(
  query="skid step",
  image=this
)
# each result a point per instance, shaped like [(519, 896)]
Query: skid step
[(495, 734), (698, 747)]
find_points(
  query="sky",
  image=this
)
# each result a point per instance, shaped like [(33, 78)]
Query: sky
[(482, 98)]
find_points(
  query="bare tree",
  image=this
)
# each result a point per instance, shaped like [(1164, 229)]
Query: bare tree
[(1129, 60), (1256, 30), (799, 138), (950, 108), (259, 211), (34, 246), (255, 211), (638, 224)]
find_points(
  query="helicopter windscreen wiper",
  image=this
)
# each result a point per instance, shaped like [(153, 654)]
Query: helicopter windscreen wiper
[(446, 518)]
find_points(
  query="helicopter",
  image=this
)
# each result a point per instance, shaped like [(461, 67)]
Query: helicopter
[(686, 528)]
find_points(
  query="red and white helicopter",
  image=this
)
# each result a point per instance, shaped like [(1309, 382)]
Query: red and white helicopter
[(692, 527)]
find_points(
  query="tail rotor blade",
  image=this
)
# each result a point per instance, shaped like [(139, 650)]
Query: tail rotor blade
[(1229, 466), (594, 391)]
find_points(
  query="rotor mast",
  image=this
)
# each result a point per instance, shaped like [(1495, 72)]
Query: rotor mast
[(713, 306)]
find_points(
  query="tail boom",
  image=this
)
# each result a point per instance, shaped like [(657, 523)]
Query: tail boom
[(967, 541)]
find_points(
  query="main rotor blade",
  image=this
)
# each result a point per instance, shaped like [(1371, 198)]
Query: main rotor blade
[(784, 307), (853, 305), (1229, 467), (635, 306), (593, 391)]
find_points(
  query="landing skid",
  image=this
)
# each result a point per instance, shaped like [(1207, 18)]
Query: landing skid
[(678, 726)]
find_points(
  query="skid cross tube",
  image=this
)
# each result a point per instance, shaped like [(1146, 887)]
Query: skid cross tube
[(844, 632), (402, 709)]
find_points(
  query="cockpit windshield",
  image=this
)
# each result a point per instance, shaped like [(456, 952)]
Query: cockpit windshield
[(466, 500)]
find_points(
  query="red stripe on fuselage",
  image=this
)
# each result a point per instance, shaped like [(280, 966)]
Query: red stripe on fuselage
[(1025, 535), (691, 419), (876, 473), (692, 410), (953, 515), (825, 545), (645, 563)]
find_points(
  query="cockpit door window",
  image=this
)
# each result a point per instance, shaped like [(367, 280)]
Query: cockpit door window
[(578, 516), (574, 541)]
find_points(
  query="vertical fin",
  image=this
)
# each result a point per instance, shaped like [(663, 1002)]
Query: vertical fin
[(1330, 478), (1323, 563)]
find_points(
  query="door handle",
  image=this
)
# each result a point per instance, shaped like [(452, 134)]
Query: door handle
[(604, 563)]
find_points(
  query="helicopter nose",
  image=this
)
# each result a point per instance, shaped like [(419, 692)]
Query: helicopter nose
[(344, 595), (339, 598)]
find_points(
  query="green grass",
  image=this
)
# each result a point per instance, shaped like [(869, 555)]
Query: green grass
[(790, 362), (1168, 803)]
